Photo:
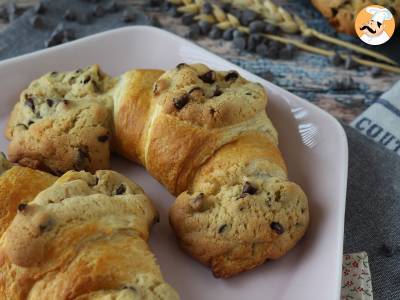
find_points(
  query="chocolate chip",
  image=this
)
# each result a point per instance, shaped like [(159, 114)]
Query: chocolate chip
[(39, 8), (248, 189), (226, 7), (120, 190), (232, 75), (85, 18), (86, 80), (205, 27), (196, 88), (238, 33), (160, 86), (336, 59), (155, 3), (309, 40), (69, 35), (102, 138), (197, 202), (66, 102), (207, 8), (228, 34), (376, 72), (22, 206), (181, 101), (270, 28), (277, 227), (215, 33), (54, 73), (248, 16), (387, 249), (276, 44), (278, 196), (287, 52), (82, 155), (253, 41), (208, 77), (36, 21), (22, 125), (222, 228), (98, 11), (126, 287), (272, 53), (70, 15), (194, 32), (180, 66), (346, 83), (51, 42), (156, 219), (112, 7), (29, 102), (47, 226), (240, 43), (217, 93), (236, 12), (173, 12), (56, 37), (262, 49), (257, 26), (188, 19)]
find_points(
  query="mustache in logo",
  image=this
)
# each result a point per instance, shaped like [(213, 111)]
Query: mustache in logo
[(368, 28)]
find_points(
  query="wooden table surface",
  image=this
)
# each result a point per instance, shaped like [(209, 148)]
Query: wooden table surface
[(306, 75)]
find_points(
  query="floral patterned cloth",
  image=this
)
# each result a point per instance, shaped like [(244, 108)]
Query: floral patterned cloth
[(356, 277)]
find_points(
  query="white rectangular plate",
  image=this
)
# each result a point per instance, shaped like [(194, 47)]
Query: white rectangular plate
[(313, 143)]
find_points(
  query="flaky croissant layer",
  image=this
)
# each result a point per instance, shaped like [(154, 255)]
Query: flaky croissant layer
[(203, 134), (206, 137), (84, 237)]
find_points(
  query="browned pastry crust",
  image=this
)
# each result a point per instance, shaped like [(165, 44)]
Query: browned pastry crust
[(341, 14), (63, 122), (85, 237), (207, 139), (19, 185), (203, 134)]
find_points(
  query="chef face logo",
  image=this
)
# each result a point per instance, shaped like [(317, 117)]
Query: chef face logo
[(375, 25)]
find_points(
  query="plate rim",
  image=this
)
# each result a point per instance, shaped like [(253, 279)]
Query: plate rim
[(342, 137)]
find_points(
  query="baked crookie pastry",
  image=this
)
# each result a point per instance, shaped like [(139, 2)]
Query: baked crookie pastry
[(341, 14), (203, 134), (84, 237), (63, 122), (206, 137)]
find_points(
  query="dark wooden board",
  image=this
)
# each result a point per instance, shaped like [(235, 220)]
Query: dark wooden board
[(309, 76)]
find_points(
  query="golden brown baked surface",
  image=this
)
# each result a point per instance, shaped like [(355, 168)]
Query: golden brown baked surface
[(203, 134), (85, 236), (63, 122), (207, 139), (341, 14), (19, 185)]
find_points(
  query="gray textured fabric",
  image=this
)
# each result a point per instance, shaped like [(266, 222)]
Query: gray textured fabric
[(373, 211), (21, 37), (373, 202)]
